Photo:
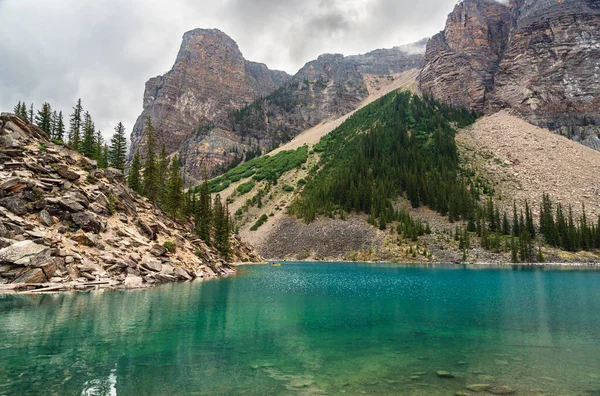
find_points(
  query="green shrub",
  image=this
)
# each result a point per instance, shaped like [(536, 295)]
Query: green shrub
[(245, 187), (262, 220), (170, 246), (287, 188)]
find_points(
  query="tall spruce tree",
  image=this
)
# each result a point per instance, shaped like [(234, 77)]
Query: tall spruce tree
[(118, 148), (59, 128), (174, 197), (163, 171), (151, 182), (75, 124), (134, 179), (17, 109), (88, 142), (221, 226), (202, 216), (30, 116), (43, 118), (23, 113)]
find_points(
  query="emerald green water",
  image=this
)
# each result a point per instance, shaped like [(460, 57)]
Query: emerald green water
[(311, 328)]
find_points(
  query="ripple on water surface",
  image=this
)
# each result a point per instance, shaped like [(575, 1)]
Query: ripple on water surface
[(313, 328)]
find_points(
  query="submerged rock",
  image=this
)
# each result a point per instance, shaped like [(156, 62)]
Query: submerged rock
[(479, 387), (501, 390), (444, 374)]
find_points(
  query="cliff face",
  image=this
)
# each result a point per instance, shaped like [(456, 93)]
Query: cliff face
[(214, 107), (209, 79), (550, 72), (461, 61), (538, 57), (65, 224)]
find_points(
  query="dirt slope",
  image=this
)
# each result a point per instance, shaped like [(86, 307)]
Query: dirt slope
[(524, 161)]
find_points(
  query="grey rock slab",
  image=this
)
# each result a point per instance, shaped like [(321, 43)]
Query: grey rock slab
[(21, 253)]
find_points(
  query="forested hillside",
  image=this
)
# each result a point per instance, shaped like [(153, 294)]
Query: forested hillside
[(395, 164)]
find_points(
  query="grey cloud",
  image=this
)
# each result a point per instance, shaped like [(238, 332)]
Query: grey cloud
[(103, 51)]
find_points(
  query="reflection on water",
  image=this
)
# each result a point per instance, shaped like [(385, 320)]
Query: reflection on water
[(312, 329)]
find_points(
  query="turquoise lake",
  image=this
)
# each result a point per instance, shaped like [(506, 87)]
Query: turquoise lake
[(312, 328)]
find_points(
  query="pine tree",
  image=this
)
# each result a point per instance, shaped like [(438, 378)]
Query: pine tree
[(54, 124), (505, 225), (173, 203), (151, 183), (514, 258), (31, 113), (98, 149), (43, 118), (515, 228), (221, 226), (59, 128), (133, 176), (75, 124), (202, 216), (163, 170), (23, 113), (17, 109), (88, 141), (118, 148)]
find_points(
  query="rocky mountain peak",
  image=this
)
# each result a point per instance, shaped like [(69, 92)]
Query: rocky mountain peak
[(537, 57), (210, 78)]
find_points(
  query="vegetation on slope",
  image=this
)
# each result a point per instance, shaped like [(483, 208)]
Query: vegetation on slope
[(268, 168), (399, 144)]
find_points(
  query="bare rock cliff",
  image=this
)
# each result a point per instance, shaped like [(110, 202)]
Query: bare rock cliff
[(461, 61), (540, 58), (209, 79)]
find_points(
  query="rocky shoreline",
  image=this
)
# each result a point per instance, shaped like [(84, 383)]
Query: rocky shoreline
[(68, 225)]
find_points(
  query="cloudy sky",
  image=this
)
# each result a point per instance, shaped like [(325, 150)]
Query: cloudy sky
[(104, 50)]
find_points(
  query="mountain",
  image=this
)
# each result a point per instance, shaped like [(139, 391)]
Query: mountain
[(328, 87), (66, 224), (209, 79), (536, 57), (216, 109)]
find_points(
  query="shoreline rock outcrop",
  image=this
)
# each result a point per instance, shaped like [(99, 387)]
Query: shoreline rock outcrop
[(66, 224)]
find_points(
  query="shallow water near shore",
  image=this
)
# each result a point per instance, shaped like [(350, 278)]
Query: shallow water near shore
[(312, 328)]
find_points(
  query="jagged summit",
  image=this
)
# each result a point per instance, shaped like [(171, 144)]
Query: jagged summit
[(536, 57)]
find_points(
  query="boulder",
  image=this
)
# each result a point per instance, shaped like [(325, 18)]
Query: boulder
[(80, 198), (152, 264), (65, 173), (479, 387), (114, 174), (444, 374), (87, 222), (31, 275), (45, 218), (133, 281), (21, 253), (15, 204), (158, 250), (69, 204), (85, 238), (181, 274)]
